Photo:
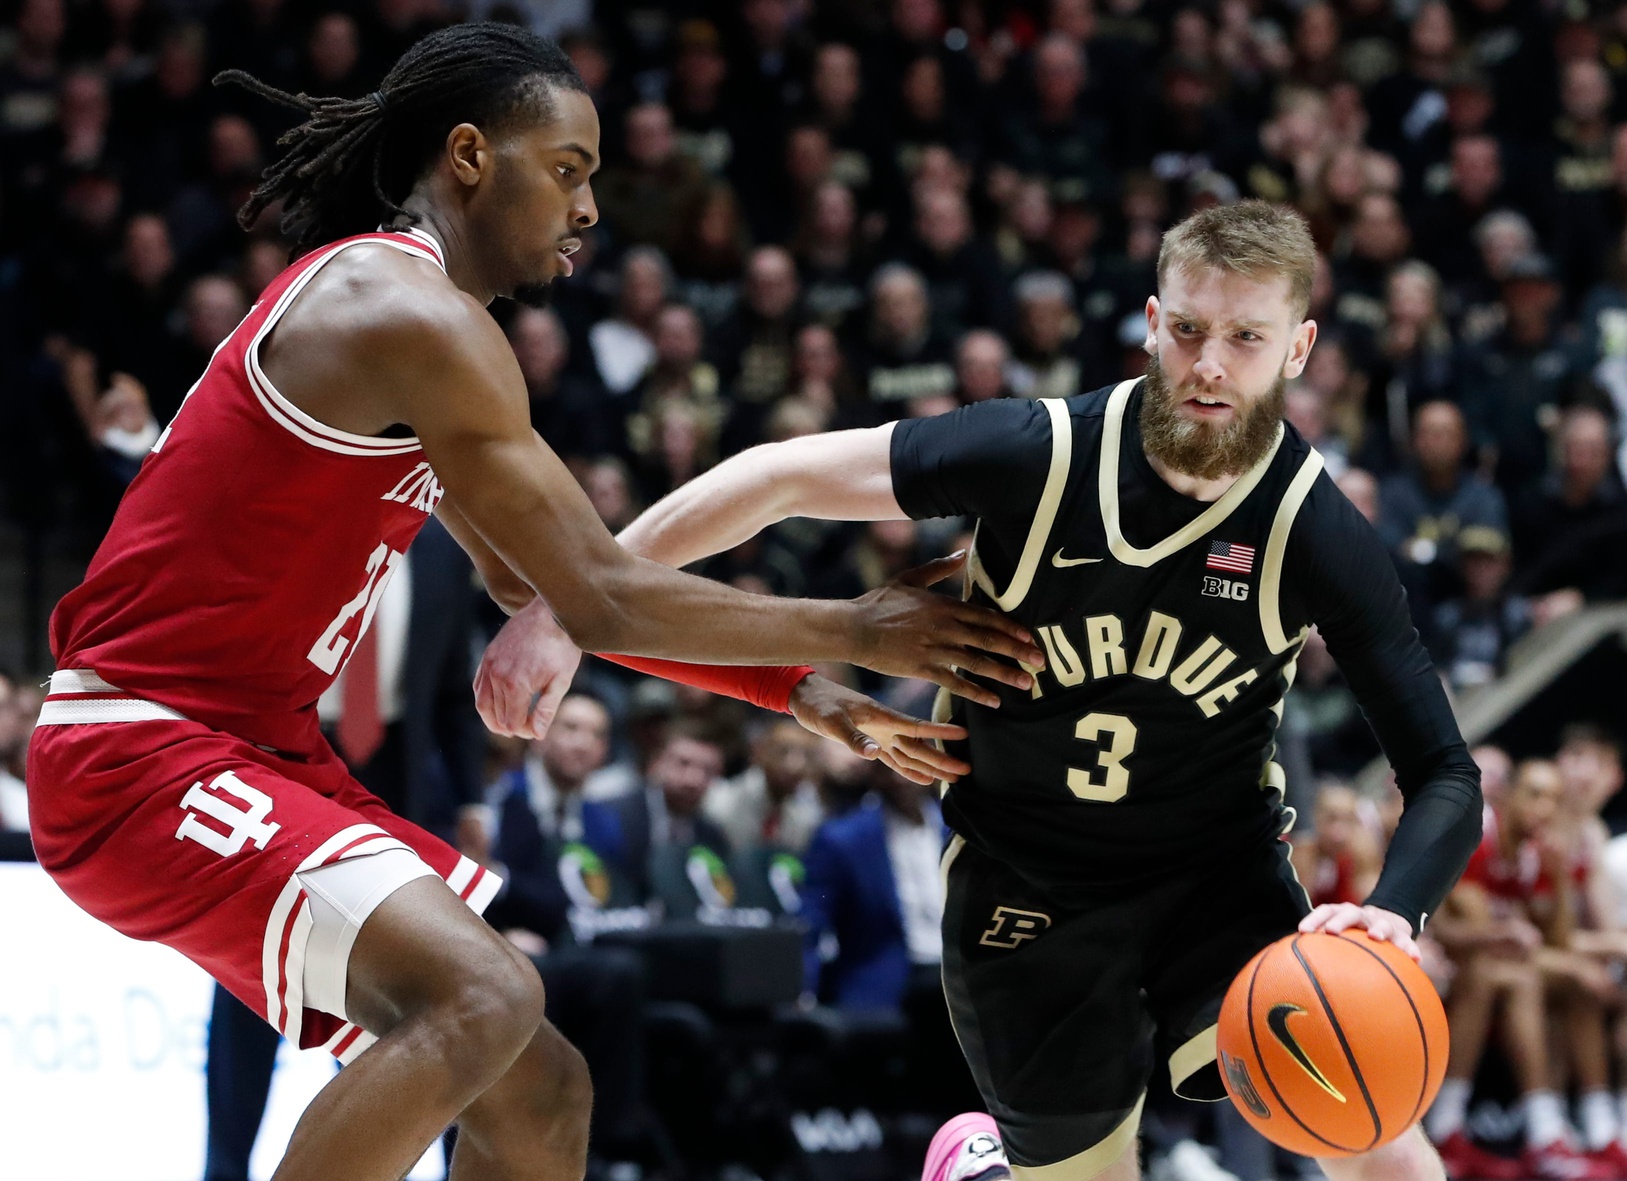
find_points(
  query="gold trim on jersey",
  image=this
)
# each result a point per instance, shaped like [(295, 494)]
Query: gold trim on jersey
[(1276, 544), (1056, 482), (1092, 1161), (1108, 490), (1192, 1056)]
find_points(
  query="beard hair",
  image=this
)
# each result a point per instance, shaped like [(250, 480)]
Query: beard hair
[(534, 295), (1197, 449)]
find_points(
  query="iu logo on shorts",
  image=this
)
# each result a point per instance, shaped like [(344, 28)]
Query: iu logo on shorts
[(242, 824)]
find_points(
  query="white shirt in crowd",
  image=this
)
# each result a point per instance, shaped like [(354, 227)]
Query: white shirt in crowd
[(13, 803), (914, 850), (740, 807), (389, 628), (622, 354)]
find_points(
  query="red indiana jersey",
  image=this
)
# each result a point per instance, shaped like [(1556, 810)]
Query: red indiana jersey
[(1517, 878), (251, 549)]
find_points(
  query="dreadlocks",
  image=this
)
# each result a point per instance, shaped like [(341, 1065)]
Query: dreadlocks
[(354, 159)]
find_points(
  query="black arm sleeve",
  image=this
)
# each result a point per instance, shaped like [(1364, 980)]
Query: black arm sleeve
[(1344, 582), (983, 460)]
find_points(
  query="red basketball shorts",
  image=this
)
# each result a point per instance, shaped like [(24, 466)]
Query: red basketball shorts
[(172, 832)]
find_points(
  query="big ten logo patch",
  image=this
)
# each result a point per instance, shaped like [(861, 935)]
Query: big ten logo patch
[(234, 825), (1225, 588), (1012, 927)]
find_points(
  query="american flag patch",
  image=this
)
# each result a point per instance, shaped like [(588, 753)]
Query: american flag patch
[(1226, 555)]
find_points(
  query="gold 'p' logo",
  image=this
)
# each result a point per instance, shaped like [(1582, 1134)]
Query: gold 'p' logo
[(1013, 927)]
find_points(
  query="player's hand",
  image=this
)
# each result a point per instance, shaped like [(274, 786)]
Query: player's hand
[(525, 673), (910, 632), (872, 731), (1379, 924)]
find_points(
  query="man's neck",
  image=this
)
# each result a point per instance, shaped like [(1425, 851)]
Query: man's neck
[(1195, 487)]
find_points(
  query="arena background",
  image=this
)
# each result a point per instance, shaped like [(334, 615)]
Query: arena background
[(819, 214)]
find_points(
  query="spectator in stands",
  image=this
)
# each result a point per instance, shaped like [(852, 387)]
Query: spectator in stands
[(873, 887), (962, 272), (1046, 363), (711, 256), (652, 198), (1518, 378), (1426, 508), (624, 346), (981, 361), (752, 347), (1416, 353), (1582, 488), (1503, 910), (569, 409), (677, 375), (546, 841), (1339, 858), (666, 808), (774, 802), (900, 357), (1471, 634)]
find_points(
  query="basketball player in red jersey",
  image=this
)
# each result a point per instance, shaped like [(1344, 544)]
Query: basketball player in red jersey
[(179, 787)]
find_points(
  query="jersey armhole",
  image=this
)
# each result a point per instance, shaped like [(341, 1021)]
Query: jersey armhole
[(1039, 531), (1276, 546)]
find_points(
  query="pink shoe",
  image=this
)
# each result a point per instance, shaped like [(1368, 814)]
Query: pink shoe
[(967, 1148)]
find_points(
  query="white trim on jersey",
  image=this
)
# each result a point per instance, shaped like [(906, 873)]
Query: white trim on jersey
[(80, 680), (1108, 490), (92, 710), (291, 417), (1039, 532), (1276, 545)]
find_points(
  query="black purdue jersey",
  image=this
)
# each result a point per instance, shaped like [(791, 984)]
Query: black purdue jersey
[(1171, 630)]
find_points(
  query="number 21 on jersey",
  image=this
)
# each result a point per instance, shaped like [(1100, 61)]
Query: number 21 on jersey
[(1109, 780), (328, 653)]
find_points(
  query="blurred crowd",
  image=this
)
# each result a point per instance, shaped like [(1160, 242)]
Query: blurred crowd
[(819, 214), (1528, 951)]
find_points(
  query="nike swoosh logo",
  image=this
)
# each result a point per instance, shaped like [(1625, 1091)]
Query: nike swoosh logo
[(1060, 562), (1277, 1019)]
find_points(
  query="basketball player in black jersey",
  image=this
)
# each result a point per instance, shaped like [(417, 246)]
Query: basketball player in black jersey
[(1116, 857)]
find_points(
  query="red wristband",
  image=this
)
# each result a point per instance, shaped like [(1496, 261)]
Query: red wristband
[(769, 688)]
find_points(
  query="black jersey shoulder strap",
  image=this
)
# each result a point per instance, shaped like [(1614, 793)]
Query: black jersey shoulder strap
[(1276, 545), (1056, 482)]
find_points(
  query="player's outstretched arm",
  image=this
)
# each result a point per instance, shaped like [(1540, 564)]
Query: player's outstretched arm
[(462, 392), (840, 476)]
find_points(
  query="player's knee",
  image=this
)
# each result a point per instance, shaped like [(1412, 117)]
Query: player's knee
[(493, 1013), (1408, 1157)]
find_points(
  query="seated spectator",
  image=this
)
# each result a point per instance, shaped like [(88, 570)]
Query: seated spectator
[(610, 489), (551, 848), (1516, 380), (1339, 859), (981, 360), (569, 410), (623, 345), (752, 347), (964, 283), (666, 806), (1506, 925), (829, 250), (678, 374), (820, 380), (1322, 710), (900, 357), (1470, 635), (774, 802), (1425, 509), (1417, 360), (1583, 487), (651, 198), (874, 890), (1046, 363), (711, 257), (1306, 409), (677, 441)]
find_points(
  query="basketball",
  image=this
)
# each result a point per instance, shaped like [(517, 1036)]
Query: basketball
[(1332, 1044)]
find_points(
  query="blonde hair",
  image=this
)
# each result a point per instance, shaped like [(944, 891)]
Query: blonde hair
[(1255, 239)]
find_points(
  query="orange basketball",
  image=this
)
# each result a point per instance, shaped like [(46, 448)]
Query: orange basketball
[(1332, 1044)]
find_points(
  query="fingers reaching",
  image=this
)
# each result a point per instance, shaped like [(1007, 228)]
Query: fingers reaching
[(935, 571)]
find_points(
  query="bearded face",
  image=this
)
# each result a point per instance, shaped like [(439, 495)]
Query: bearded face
[(1186, 443)]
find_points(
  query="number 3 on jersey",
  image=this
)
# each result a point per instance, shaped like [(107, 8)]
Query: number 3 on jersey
[(1109, 779), (328, 653)]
